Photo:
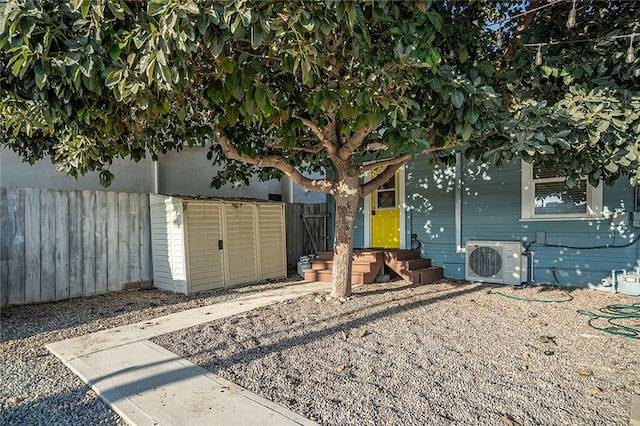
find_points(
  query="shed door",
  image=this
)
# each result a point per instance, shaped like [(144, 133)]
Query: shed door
[(240, 243), (204, 230), (272, 250)]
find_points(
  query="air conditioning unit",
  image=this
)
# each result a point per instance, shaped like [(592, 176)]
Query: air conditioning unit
[(500, 262)]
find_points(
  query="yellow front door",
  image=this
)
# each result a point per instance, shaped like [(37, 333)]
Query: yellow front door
[(385, 213)]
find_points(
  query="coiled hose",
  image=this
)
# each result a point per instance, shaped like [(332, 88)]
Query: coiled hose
[(613, 313)]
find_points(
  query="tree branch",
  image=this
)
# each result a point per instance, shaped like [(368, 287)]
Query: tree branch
[(313, 150), (391, 164), (329, 144), (275, 161), (354, 143), (402, 159), (524, 24), (383, 177)]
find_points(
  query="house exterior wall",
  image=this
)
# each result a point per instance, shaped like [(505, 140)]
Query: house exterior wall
[(131, 176), (491, 210), (189, 172), (292, 193)]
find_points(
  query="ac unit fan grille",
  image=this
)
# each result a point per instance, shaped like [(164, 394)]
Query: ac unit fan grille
[(485, 262)]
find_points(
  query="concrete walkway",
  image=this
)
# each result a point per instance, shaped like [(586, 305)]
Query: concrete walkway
[(149, 385)]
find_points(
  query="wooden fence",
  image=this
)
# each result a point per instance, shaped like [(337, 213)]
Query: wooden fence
[(306, 230), (60, 244)]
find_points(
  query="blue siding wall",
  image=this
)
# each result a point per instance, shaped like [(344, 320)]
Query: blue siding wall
[(491, 209)]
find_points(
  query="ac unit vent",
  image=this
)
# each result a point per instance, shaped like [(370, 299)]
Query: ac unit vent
[(485, 261), (498, 262)]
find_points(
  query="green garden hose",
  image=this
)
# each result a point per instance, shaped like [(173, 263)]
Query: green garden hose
[(613, 313), (568, 298)]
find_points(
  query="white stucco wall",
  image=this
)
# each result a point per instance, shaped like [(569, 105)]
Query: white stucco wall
[(189, 172), (130, 176), (292, 193)]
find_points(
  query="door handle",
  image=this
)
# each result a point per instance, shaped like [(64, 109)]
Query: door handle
[(219, 244), (373, 212)]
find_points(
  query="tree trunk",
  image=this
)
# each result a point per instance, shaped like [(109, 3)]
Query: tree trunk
[(346, 198)]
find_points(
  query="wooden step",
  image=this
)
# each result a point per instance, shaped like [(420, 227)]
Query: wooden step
[(411, 267), (402, 254), (365, 266), (423, 275), (356, 277), (356, 266), (409, 264)]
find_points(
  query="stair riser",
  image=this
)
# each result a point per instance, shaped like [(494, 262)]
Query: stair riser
[(318, 265), (409, 264), (427, 275), (402, 255)]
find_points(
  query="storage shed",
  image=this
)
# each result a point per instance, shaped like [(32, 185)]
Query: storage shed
[(202, 244)]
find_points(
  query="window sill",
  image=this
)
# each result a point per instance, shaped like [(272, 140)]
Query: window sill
[(561, 219)]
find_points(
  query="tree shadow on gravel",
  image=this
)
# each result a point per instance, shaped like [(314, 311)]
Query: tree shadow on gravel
[(23, 321), (384, 311), (73, 407)]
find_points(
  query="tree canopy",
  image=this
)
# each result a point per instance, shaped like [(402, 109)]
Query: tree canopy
[(280, 87)]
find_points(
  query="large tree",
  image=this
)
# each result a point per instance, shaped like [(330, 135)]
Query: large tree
[(348, 87)]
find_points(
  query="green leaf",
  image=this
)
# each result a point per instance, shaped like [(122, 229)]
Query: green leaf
[(435, 19), (463, 53), (114, 52), (466, 132), (157, 7), (457, 98), (256, 37), (603, 125)]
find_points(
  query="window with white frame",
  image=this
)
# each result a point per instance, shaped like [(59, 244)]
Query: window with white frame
[(545, 195)]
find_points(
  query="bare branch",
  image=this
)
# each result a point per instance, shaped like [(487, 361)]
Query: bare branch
[(313, 150), (402, 159), (390, 164), (325, 140), (354, 143), (524, 24), (383, 177), (384, 163), (275, 161)]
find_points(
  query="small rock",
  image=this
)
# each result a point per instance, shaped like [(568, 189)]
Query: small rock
[(525, 356), (342, 299), (15, 399), (594, 390), (344, 335), (46, 364), (584, 372), (548, 352), (524, 367), (340, 368), (318, 299), (363, 332), (510, 421)]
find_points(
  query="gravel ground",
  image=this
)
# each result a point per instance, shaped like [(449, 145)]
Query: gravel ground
[(37, 389), (442, 354)]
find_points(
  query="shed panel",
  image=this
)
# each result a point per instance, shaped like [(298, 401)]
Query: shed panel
[(204, 230), (239, 243), (168, 244), (272, 246)]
